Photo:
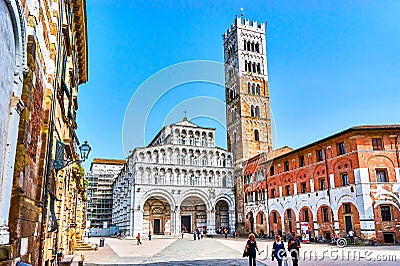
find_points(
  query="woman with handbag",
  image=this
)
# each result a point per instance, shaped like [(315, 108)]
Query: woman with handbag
[(250, 249), (278, 251)]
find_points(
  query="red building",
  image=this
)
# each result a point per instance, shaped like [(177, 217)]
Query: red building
[(349, 180)]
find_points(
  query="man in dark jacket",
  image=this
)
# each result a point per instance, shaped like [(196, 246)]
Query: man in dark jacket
[(294, 248)]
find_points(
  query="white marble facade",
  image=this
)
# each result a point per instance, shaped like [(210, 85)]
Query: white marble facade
[(179, 182)]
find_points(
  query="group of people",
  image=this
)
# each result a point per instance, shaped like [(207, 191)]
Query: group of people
[(199, 233), (278, 250)]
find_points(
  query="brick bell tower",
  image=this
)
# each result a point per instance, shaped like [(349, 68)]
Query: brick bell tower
[(248, 119)]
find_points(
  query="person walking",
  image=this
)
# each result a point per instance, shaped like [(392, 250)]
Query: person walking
[(138, 239), (183, 232), (294, 248), (149, 235), (351, 235), (194, 235), (250, 249), (198, 233), (278, 250)]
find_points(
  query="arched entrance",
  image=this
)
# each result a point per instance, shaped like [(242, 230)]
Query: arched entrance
[(221, 215), (157, 216), (324, 220), (249, 222), (290, 221), (306, 222), (275, 223), (193, 214), (261, 223)]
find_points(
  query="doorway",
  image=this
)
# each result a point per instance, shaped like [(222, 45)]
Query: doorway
[(388, 238), (186, 224), (348, 223), (156, 227)]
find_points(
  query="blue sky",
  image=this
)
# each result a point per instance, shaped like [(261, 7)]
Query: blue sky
[(331, 64)]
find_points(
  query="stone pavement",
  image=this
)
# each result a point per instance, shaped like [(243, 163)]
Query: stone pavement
[(220, 251)]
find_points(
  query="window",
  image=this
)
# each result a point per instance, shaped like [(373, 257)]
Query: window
[(306, 217), (275, 217), (286, 165), (341, 149), (377, 144), (271, 170), (385, 213), (289, 214), (256, 135), (301, 160), (347, 207), (249, 87), (322, 184), (261, 219), (325, 214), (287, 190), (273, 193), (303, 187), (381, 175), (345, 180), (224, 181), (319, 155)]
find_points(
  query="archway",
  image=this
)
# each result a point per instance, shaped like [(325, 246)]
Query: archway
[(193, 214), (261, 222), (275, 223), (324, 220), (221, 215), (306, 222), (157, 216), (249, 227)]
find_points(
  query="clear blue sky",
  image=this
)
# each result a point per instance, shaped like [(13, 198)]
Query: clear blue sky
[(331, 64)]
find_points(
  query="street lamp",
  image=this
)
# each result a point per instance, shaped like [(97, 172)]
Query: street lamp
[(59, 162)]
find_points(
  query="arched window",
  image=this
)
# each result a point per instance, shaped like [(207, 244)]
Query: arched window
[(249, 87), (257, 48), (257, 112), (253, 89), (256, 135), (244, 45), (254, 67), (249, 67), (248, 46), (245, 65), (258, 68), (258, 89), (224, 181), (252, 46), (252, 111)]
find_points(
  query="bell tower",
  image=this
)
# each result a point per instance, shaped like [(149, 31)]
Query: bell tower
[(247, 98)]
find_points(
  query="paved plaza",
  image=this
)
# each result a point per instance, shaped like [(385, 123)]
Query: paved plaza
[(220, 251)]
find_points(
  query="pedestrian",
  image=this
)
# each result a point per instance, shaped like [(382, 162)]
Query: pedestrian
[(198, 233), (294, 248), (226, 233), (194, 235), (250, 249), (183, 232), (201, 233), (138, 239), (278, 250), (351, 235), (149, 235)]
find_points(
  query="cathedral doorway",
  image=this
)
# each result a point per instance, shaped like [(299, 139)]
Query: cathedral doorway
[(193, 214), (186, 224), (221, 215), (157, 216)]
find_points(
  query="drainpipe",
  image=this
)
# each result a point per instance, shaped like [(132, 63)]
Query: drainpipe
[(50, 140)]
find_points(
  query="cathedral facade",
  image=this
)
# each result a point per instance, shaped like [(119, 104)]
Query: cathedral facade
[(179, 182)]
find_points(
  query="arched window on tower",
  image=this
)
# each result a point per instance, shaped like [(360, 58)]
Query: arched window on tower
[(256, 135), (249, 67), (252, 46), (253, 89), (254, 67), (249, 87), (257, 111), (257, 48), (245, 65), (252, 114), (259, 68), (258, 89), (248, 46), (244, 45)]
